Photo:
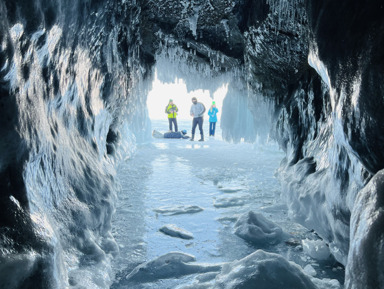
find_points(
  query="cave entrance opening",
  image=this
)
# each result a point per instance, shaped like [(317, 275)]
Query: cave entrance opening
[(181, 92)]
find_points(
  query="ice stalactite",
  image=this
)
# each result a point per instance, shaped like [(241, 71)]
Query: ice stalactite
[(288, 13), (246, 117)]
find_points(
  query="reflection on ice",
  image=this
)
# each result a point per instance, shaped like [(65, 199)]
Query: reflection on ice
[(162, 146), (196, 146)]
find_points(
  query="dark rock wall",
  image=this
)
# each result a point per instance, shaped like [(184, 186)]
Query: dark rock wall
[(349, 37)]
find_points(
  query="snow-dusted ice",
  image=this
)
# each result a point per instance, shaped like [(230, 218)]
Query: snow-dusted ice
[(262, 270), (255, 228), (174, 231), (317, 249), (309, 270), (170, 265), (226, 197), (229, 202), (178, 210)]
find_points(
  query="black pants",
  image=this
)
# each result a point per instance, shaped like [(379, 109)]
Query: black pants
[(174, 121), (197, 121)]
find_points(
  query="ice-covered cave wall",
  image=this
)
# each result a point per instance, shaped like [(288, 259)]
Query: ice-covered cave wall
[(328, 121), (73, 80)]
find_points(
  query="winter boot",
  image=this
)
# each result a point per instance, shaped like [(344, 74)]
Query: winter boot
[(202, 138), (193, 136)]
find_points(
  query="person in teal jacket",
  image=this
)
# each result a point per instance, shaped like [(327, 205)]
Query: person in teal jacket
[(212, 112)]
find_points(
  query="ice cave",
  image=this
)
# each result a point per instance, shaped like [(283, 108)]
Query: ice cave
[(288, 194)]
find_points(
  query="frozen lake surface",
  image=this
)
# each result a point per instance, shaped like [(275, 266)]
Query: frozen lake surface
[(188, 197)]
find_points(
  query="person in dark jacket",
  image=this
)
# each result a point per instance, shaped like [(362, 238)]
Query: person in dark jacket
[(171, 109)]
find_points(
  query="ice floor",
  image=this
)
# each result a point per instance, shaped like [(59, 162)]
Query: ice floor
[(182, 196)]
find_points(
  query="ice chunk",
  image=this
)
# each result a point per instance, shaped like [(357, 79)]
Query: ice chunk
[(267, 270), (255, 228), (310, 270), (178, 210), (170, 265), (326, 283), (228, 202), (293, 242), (174, 231), (231, 189), (317, 249)]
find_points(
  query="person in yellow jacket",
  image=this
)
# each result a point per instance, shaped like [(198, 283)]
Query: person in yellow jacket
[(171, 109)]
